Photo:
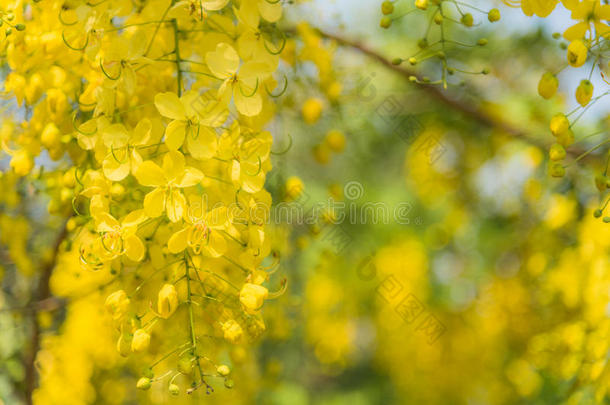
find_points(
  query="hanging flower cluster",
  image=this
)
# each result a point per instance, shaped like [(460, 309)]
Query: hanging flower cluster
[(146, 121)]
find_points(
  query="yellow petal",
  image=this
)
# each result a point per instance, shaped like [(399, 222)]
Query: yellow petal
[(134, 218), (115, 136), (141, 133), (176, 204), (215, 4), (223, 62), (134, 248), (150, 174), (248, 14), (106, 222), (189, 178), (114, 170), (177, 242), (154, 203), (216, 246), (271, 12), (203, 144), (253, 184), (173, 165), (248, 106), (170, 106), (174, 134)]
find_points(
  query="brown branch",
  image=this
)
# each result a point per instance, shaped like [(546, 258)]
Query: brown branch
[(43, 295)]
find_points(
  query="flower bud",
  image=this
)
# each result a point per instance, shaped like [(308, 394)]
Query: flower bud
[(597, 213), (584, 92), (252, 297), (335, 140), (438, 19), (229, 383), (232, 331), (386, 22), (293, 188), (467, 20), (482, 42), (167, 301), (566, 138), (117, 304), (421, 4), (559, 124), (557, 152), (140, 341), (144, 383), (20, 27), (493, 15), (547, 86), (174, 389), (387, 7), (123, 345), (577, 53), (557, 170), (223, 370), (312, 110)]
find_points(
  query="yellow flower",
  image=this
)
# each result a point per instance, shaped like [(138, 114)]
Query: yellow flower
[(117, 304), (577, 53), (167, 181), (187, 124), (167, 301), (202, 234), (141, 340), (252, 297), (120, 237), (242, 82), (591, 14), (124, 157)]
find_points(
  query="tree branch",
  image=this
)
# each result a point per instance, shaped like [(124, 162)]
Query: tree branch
[(43, 295)]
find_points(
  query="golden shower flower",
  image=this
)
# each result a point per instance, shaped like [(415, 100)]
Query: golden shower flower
[(117, 304), (167, 301), (252, 297), (140, 341)]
